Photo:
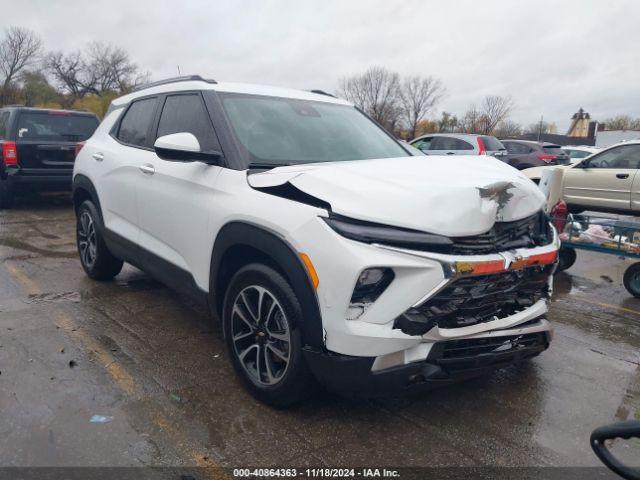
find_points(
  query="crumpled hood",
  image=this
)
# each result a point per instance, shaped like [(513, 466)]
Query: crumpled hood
[(447, 195)]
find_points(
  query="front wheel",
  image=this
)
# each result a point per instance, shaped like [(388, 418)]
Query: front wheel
[(96, 259), (566, 258), (262, 318)]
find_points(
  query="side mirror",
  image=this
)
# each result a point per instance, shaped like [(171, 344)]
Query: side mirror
[(184, 147)]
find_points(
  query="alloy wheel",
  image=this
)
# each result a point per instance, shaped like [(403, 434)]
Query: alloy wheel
[(87, 242), (261, 335)]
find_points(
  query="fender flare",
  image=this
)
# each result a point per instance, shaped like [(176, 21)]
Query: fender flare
[(83, 182), (236, 234)]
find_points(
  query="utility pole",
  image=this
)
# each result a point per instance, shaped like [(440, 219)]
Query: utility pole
[(540, 128)]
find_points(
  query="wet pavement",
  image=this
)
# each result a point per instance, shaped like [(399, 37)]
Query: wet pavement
[(148, 358)]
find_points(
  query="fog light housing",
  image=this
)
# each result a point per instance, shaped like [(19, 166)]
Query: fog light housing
[(370, 285)]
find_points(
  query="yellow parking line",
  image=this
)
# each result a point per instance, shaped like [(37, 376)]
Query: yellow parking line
[(21, 279), (125, 381)]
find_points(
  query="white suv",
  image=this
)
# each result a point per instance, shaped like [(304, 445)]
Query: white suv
[(329, 252)]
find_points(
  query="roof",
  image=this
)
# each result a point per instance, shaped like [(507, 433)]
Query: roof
[(198, 83)]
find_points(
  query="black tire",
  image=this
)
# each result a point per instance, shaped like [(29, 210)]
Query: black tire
[(631, 279), (278, 383), (524, 167), (96, 259), (6, 195), (566, 258)]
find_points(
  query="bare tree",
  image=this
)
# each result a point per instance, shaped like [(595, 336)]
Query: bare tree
[(622, 122), (19, 49), (507, 129), (447, 122), (377, 92), (101, 69), (494, 110), (418, 96), (470, 122)]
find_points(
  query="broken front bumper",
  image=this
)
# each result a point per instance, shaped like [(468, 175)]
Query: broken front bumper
[(447, 362)]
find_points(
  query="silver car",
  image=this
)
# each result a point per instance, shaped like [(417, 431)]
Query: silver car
[(459, 144)]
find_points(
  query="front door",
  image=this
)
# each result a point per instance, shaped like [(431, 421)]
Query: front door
[(604, 181), (175, 198)]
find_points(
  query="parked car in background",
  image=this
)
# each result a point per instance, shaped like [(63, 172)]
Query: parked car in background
[(606, 181), (328, 251), (459, 144), (523, 154), (39, 148), (577, 152)]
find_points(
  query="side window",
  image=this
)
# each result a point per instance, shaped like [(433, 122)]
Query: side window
[(626, 156), (4, 125), (461, 145), (423, 144), (136, 122), (187, 113), (439, 143), (513, 147)]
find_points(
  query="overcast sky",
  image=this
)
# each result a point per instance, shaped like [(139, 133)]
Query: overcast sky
[(552, 57)]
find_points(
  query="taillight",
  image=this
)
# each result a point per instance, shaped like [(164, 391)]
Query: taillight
[(481, 149), (10, 153), (79, 146), (548, 158)]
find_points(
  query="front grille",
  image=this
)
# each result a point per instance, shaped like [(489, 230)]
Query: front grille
[(526, 233), (478, 299), (467, 354)]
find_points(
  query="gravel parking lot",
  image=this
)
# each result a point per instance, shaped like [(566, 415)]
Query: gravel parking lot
[(155, 366)]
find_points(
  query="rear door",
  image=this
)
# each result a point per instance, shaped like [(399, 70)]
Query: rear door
[(118, 160), (604, 181), (46, 140)]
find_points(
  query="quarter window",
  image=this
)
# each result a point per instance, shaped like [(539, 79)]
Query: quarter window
[(186, 113), (449, 143), (136, 122)]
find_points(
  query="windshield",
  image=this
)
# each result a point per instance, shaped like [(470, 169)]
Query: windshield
[(284, 131), (56, 127)]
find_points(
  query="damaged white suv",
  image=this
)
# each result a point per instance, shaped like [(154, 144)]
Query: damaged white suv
[(329, 252)]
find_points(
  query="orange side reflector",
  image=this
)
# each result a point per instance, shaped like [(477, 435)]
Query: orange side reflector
[(315, 281), (542, 258)]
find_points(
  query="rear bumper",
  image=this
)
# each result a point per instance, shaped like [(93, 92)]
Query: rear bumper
[(40, 179), (447, 363)]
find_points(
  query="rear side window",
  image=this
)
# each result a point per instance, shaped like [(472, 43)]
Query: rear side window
[(136, 122), (513, 147), (187, 113), (55, 126), (4, 125), (492, 143), (449, 143), (577, 153)]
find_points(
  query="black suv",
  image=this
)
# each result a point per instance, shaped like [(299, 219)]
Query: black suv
[(39, 147)]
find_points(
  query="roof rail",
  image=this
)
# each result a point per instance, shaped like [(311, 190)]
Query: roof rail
[(322, 92), (186, 78)]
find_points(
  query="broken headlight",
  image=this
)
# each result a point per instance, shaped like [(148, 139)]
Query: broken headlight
[(398, 237)]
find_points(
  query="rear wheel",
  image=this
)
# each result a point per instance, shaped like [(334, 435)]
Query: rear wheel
[(95, 257), (262, 317), (631, 279), (6, 196)]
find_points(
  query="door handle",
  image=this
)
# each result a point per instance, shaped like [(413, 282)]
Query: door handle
[(98, 157), (147, 169), (622, 175), (451, 153)]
